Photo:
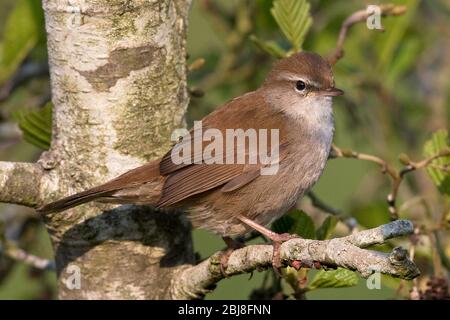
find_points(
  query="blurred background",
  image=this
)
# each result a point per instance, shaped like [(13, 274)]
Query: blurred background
[(396, 101)]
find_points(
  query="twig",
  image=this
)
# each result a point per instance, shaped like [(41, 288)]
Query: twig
[(318, 203), (395, 175), (360, 16), (414, 240), (441, 251), (13, 252), (9, 134), (10, 250), (196, 64), (25, 73), (195, 281), (350, 222)]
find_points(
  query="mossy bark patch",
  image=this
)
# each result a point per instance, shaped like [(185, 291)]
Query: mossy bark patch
[(120, 63)]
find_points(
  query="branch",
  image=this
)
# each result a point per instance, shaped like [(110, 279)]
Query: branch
[(18, 254), (195, 281), (360, 16), (20, 183), (26, 72), (395, 175), (12, 251)]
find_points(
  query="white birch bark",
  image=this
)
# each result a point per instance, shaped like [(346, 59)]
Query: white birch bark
[(119, 89)]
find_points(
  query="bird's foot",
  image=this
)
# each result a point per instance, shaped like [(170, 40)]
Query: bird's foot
[(298, 264), (276, 238), (225, 254), (277, 241)]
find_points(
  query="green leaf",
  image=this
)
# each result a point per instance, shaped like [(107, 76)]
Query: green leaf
[(23, 30), (295, 222), (339, 278), (294, 19), (271, 47), (438, 142), (327, 228), (36, 125)]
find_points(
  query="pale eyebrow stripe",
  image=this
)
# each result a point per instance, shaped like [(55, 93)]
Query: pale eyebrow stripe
[(294, 77)]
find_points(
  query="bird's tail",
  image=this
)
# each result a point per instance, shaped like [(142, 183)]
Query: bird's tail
[(127, 188), (74, 200)]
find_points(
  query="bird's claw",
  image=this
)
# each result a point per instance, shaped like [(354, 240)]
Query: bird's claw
[(225, 255), (277, 241)]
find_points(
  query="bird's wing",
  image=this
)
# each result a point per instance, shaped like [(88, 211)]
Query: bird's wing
[(188, 179)]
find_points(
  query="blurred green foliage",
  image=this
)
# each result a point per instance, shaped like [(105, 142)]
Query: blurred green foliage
[(22, 32), (438, 142)]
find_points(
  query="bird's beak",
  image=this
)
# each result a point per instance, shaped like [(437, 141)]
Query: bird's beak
[(331, 92)]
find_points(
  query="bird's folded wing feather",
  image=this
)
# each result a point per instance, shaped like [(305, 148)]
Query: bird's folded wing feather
[(188, 179)]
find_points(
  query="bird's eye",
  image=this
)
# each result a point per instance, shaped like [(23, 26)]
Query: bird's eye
[(300, 85)]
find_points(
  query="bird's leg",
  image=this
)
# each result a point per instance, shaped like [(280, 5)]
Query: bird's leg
[(276, 238), (225, 255)]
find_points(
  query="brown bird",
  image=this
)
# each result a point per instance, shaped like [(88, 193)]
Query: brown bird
[(228, 197)]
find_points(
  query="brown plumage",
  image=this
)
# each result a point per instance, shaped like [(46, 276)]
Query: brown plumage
[(217, 196)]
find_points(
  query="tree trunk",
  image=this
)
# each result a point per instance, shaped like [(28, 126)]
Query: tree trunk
[(118, 82)]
